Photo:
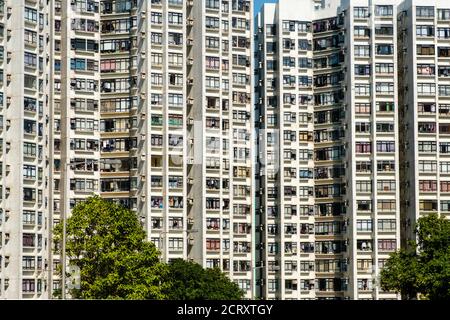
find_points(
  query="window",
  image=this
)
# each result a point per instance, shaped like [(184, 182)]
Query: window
[(156, 38), (362, 127), (386, 185), (384, 68), (363, 166), (30, 14), (362, 108), (425, 50), (427, 185), (443, 14), (425, 31), (30, 60), (426, 88), (445, 186), (363, 186), (426, 69), (384, 87), (428, 205), (444, 52), (429, 146), (364, 225), (362, 50), (361, 12), (384, 49), (175, 18), (444, 167), (361, 31), (386, 10), (384, 30), (362, 89), (386, 224), (362, 69), (211, 22), (424, 12), (176, 244), (385, 126), (444, 90), (387, 245), (445, 205), (363, 147), (427, 127)]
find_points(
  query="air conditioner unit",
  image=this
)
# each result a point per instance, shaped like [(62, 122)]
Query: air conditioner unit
[(190, 161), (190, 221), (190, 121), (190, 201), (143, 75), (190, 22), (143, 96), (190, 181)]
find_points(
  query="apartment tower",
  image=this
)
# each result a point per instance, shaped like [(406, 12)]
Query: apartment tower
[(424, 103), (25, 99), (159, 105), (299, 191), (326, 98)]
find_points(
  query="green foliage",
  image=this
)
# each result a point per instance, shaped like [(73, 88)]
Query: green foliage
[(425, 267), (189, 281), (107, 243)]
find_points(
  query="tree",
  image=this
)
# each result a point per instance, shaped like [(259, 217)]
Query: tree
[(189, 281), (107, 243), (424, 268)]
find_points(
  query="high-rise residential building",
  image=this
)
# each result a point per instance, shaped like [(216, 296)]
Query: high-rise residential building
[(219, 136), (74, 115), (172, 124), (25, 98), (326, 99), (294, 150), (424, 109), (146, 103)]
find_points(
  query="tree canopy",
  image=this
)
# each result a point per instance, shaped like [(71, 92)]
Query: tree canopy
[(108, 244), (192, 282), (424, 268)]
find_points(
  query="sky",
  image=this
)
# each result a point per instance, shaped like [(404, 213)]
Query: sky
[(258, 4)]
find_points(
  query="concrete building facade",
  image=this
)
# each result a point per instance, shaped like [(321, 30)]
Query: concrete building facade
[(294, 150)]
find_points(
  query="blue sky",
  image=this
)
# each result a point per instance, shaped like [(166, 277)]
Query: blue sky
[(258, 4)]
